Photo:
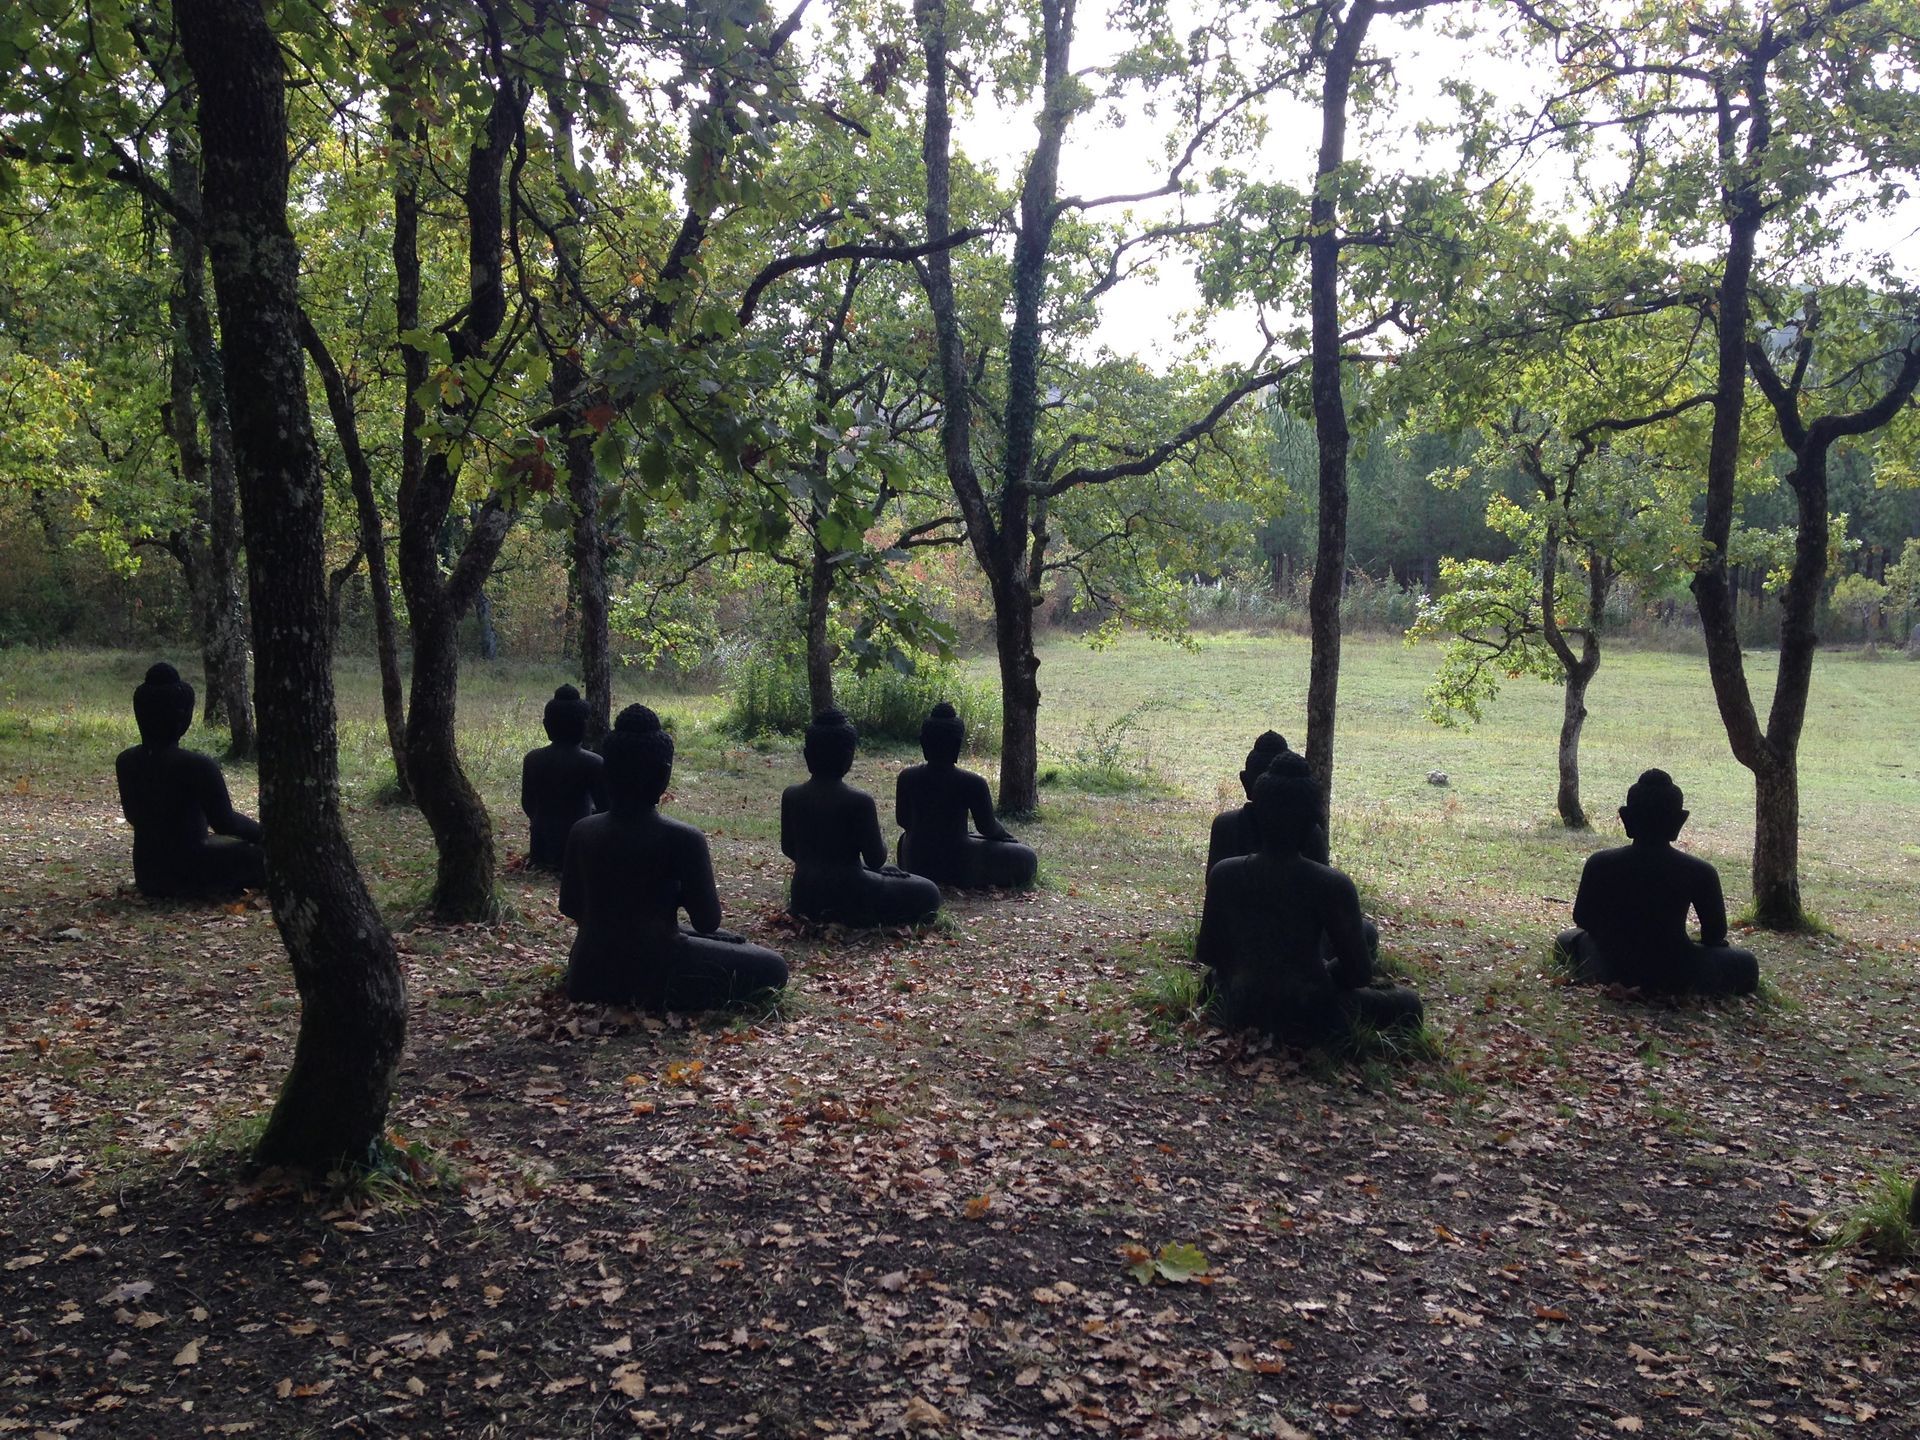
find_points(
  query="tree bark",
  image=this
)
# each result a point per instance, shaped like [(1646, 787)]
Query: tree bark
[(373, 544), (819, 645), (222, 620), (462, 830), (333, 1105), (588, 592), (1329, 398)]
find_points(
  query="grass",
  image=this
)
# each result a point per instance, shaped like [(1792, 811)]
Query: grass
[(1886, 1224), (1044, 1052)]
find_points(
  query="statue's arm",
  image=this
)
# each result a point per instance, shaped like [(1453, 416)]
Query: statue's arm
[(697, 889), (597, 786), (573, 885), (786, 825), (1711, 906), (903, 801), (218, 807), (980, 802), (873, 846), (1209, 948), (526, 786), (1352, 967), (1586, 906)]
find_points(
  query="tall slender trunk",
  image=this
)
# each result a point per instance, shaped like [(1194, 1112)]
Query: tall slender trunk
[(589, 588), (373, 544), (1775, 792), (819, 644), (333, 1105), (222, 619), (462, 830), (1573, 719), (1329, 398), (590, 605)]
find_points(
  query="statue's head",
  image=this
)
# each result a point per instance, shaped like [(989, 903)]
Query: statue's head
[(942, 734), (1655, 808), (162, 706), (565, 717), (639, 757), (1270, 745), (1286, 802), (830, 742)]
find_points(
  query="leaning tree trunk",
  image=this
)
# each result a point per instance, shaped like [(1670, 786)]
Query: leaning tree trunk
[(1329, 401), (333, 1105), (1573, 719), (462, 829)]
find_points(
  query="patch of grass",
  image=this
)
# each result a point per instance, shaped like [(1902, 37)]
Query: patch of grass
[(1887, 1223), (1170, 989), (400, 1172)]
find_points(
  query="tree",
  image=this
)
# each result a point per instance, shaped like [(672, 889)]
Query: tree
[(1758, 140), (333, 1105), (1010, 486)]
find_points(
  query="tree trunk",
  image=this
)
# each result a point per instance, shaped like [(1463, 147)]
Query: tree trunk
[(222, 620), (462, 831), (1776, 845), (1573, 719), (333, 1105), (483, 617), (589, 589), (588, 602), (373, 544), (819, 645), (1019, 702), (1329, 400)]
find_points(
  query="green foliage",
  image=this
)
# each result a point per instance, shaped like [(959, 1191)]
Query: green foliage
[(1111, 756), (1488, 616), (769, 696)]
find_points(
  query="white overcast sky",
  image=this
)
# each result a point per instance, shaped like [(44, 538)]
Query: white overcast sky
[(1142, 316)]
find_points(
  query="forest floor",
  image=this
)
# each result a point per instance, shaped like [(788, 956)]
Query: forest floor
[(918, 1196)]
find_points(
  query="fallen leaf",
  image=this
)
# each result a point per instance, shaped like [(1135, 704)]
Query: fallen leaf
[(188, 1354)]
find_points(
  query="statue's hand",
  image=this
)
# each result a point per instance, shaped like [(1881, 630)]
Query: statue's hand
[(731, 937), (894, 872)]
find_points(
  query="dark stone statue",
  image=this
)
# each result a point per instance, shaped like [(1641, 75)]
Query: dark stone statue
[(1234, 831), (933, 802), (1281, 934), (173, 798), (629, 872), (561, 782), (1631, 910), (831, 832)]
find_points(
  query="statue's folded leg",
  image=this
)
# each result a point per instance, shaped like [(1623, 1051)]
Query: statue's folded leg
[(897, 899), (1385, 1007), (225, 866), (1580, 956), (1004, 863), (706, 974), (1722, 970)]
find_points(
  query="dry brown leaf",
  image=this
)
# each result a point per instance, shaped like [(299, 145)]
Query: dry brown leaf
[(923, 1415), (188, 1354)]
